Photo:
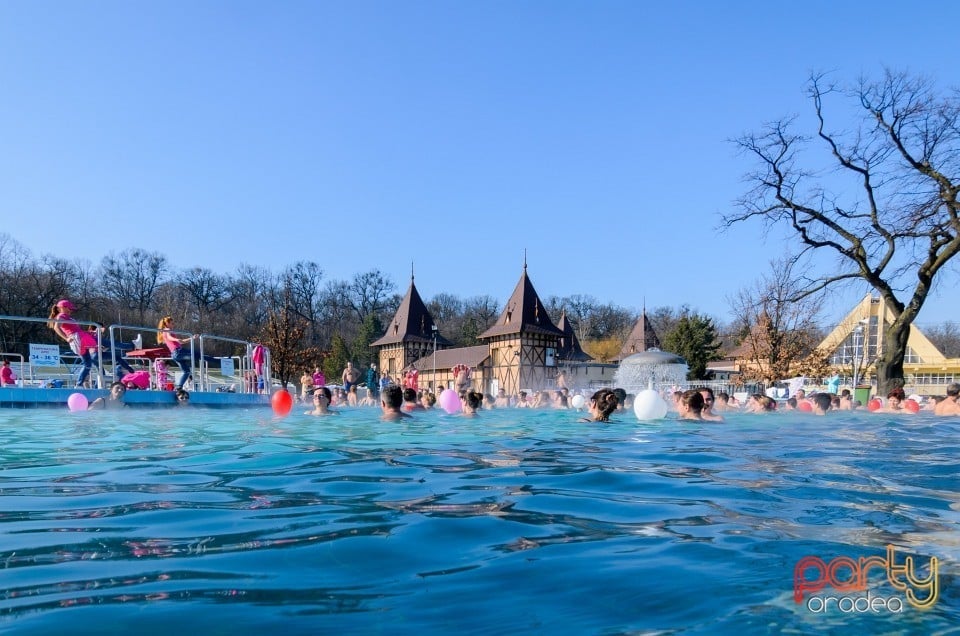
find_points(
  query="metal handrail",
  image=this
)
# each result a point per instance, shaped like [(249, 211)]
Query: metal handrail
[(200, 374), (88, 323)]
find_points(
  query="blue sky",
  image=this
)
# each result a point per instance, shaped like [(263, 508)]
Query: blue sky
[(454, 135)]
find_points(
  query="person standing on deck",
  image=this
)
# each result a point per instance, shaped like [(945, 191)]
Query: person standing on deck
[(350, 376), (178, 352), (80, 341), (373, 381)]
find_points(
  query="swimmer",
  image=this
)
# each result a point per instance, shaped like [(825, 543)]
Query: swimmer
[(321, 402), (470, 403), (821, 403), (690, 405), (113, 401), (391, 399), (600, 406), (707, 412), (949, 405), (182, 397)]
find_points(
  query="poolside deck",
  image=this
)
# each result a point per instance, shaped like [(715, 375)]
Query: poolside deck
[(32, 397)]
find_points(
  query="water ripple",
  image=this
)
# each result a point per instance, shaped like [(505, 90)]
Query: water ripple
[(511, 522)]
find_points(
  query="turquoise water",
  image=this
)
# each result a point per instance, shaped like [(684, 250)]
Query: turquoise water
[(235, 522)]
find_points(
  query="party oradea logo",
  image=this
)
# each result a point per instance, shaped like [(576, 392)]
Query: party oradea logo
[(852, 589)]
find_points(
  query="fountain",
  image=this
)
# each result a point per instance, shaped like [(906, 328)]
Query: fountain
[(651, 369)]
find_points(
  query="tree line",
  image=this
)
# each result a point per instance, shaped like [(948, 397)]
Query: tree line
[(309, 320)]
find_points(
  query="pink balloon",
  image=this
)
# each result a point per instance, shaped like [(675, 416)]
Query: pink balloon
[(449, 401), (77, 402)]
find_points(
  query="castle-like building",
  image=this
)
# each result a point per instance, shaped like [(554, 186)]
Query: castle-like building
[(523, 350)]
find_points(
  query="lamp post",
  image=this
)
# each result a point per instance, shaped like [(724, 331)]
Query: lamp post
[(433, 328), (857, 348)]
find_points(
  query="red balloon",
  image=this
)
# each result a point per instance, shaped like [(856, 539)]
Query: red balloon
[(282, 402), (804, 406), (874, 405), (911, 405)]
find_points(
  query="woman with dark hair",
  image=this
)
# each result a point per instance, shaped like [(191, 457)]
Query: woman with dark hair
[(601, 405), (470, 402), (321, 402)]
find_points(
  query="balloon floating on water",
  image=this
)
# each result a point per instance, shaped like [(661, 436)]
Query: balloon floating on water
[(77, 402), (911, 405), (804, 406), (449, 401), (577, 401), (648, 405), (874, 405), (281, 402)]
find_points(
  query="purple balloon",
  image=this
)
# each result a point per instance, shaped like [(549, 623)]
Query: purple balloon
[(449, 401), (77, 402)]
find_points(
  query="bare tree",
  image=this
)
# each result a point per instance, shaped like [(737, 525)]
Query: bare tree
[(251, 288), (479, 314), (580, 309), (206, 292), (368, 293), (776, 330), (901, 228), (131, 278), (303, 279), (29, 288), (335, 311), (946, 338)]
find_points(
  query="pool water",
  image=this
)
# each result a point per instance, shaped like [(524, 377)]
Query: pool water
[(517, 521)]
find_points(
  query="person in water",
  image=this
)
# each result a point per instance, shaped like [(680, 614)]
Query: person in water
[(80, 341), (182, 397), (470, 403), (949, 405), (895, 400), (391, 399), (321, 402), (690, 405), (601, 405), (113, 401), (707, 412), (821, 403)]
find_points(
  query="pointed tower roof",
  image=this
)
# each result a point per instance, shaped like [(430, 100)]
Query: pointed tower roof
[(411, 323), (570, 350), (641, 338), (872, 315), (523, 313)]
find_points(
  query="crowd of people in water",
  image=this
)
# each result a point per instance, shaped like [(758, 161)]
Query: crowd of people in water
[(401, 396), (701, 403)]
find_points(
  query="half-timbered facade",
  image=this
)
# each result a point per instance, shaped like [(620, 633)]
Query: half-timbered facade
[(523, 343), (410, 336)]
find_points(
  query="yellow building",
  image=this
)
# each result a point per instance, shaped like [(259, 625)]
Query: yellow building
[(856, 341)]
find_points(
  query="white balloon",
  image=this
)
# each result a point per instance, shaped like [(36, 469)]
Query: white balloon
[(648, 405), (577, 401)]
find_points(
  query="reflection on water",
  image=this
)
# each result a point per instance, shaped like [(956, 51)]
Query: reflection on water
[(515, 521)]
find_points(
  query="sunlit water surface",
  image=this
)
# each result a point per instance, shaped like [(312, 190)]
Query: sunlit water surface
[(237, 522)]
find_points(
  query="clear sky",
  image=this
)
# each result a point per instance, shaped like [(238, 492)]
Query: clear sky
[(454, 135)]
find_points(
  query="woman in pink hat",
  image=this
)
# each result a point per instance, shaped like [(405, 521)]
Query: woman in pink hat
[(81, 341)]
